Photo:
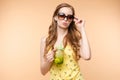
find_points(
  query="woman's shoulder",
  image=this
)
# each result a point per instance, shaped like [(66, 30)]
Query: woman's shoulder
[(43, 38)]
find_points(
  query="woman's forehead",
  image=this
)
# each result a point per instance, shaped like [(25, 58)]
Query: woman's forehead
[(66, 10)]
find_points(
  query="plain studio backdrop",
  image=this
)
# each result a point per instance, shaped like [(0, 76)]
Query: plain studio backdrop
[(23, 22)]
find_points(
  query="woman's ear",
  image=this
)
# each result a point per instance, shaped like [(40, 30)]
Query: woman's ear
[(55, 18)]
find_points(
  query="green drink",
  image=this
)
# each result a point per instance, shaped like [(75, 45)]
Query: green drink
[(59, 55)]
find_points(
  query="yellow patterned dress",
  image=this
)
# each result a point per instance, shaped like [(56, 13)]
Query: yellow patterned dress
[(68, 70)]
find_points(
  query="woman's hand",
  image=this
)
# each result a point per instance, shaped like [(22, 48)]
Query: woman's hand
[(85, 51), (50, 55), (79, 23)]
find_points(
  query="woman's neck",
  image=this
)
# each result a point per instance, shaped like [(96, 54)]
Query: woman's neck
[(61, 32)]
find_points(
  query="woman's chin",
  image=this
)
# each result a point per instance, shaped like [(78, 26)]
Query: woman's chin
[(64, 27)]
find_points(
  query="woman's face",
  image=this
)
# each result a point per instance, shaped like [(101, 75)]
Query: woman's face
[(64, 17)]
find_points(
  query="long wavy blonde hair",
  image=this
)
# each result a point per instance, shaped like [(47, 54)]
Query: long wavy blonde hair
[(73, 36)]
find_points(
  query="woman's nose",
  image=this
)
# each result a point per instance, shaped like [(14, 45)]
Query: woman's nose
[(65, 18)]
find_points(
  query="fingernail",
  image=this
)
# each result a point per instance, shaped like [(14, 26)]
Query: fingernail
[(80, 21)]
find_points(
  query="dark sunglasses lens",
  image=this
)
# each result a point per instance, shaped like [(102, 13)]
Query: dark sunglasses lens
[(70, 17), (61, 16)]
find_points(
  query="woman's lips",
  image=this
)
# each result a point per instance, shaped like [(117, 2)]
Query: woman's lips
[(64, 23)]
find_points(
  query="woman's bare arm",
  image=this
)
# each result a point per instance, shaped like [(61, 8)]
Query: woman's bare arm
[(45, 63), (85, 50)]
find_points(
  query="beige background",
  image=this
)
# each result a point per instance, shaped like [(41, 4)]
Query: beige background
[(23, 22)]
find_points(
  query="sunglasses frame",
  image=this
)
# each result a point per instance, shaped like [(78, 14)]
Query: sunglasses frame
[(62, 16)]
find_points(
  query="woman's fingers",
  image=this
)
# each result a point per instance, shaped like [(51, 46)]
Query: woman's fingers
[(50, 55), (50, 58), (78, 20), (54, 50), (75, 20)]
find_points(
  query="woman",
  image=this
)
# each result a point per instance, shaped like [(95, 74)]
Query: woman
[(68, 31)]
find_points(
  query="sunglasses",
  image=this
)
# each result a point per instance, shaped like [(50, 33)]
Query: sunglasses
[(62, 16)]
